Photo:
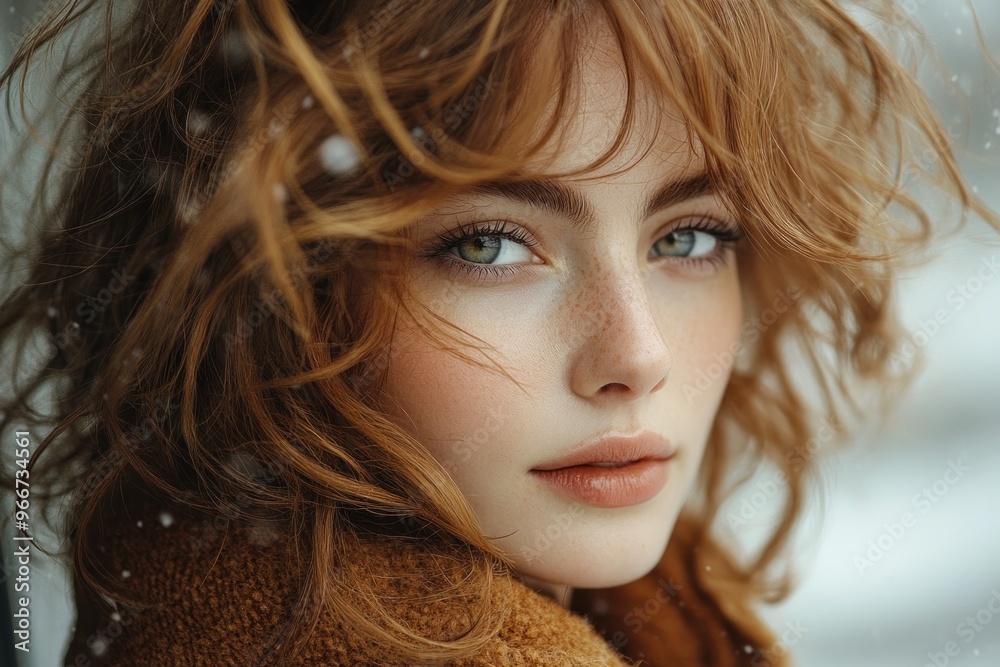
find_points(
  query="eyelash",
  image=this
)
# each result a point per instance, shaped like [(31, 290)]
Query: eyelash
[(727, 236)]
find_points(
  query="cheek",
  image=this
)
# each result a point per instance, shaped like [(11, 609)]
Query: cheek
[(454, 407), (702, 328), (712, 336)]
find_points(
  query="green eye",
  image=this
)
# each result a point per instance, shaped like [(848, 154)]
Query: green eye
[(687, 243), (482, 249)]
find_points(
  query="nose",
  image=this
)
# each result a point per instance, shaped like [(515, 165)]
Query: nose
[(621, 350)]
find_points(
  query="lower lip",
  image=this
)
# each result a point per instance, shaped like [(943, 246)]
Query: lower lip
[(610, 487)]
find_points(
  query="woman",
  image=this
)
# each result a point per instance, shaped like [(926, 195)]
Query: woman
[(436, 333)]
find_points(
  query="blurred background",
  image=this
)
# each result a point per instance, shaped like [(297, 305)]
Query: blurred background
[(899, 565)]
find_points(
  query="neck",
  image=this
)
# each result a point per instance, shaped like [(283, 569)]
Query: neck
[(561, 593)]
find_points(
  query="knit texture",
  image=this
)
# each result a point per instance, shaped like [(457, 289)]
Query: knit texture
[(221, 593)]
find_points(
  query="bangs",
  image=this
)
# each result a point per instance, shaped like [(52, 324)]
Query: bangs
[(786, 100)]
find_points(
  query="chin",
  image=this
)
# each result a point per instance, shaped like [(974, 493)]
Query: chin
[(605, 558)]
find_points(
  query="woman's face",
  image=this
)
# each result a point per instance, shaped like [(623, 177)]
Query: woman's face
[(609, 330)]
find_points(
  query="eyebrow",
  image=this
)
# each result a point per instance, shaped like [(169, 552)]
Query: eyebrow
[(558, 198)]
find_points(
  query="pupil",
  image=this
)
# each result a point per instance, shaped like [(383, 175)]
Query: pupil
[(678, 244), (489, 244)]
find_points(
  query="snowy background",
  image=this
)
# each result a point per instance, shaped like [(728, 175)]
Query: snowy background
[(902, 565), (875, 591)]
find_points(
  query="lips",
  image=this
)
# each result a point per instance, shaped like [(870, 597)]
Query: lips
[(612, 472), (614, 451)]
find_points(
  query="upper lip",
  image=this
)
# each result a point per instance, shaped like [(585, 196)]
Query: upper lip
[(614, 449)]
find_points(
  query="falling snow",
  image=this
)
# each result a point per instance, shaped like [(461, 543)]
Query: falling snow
[(423, 53), (235, 48), (166, 519), (138, 524), (126, 574), (275, 127), (308, 101), (99, 646), (198, 122), (188, 209), (338, 155)]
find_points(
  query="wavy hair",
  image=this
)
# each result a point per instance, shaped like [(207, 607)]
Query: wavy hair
[(212, 279)]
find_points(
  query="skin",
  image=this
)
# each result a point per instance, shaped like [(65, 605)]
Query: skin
[(602, 338)]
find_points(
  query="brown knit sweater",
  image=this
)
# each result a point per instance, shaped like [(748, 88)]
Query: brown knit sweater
[(222, 593)]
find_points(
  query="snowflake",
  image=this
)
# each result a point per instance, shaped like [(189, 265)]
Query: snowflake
[(99, 647), (198, 122), (338, 155)]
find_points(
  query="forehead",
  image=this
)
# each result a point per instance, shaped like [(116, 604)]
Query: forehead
[(658, 139)]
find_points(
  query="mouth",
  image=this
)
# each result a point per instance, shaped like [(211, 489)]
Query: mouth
[(614, 452), (611, 471), (608, 484)]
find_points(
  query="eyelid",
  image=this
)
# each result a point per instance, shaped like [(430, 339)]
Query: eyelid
[(706, 222), (500, 222), (494, 226)]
